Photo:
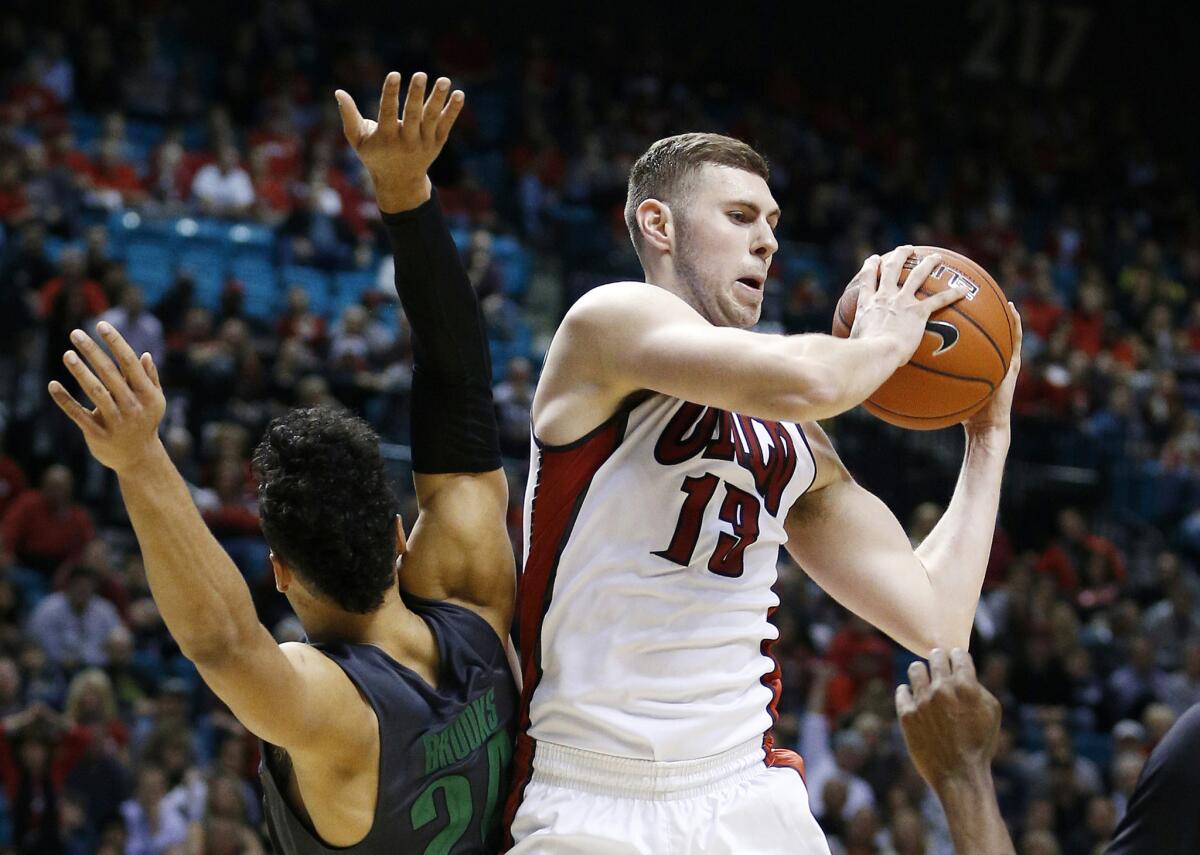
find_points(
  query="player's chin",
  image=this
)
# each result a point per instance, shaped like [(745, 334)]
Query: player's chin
[(742, 316), (742, 309)]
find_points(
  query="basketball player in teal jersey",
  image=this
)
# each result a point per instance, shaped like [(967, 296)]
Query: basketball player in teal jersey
[(391, 731)]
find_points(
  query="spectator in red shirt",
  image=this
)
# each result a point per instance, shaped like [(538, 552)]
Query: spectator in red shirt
[(861, 655), (115, 182), (13, 205), (38, 100), (26, 743), (235, 521), (1041, 310), (277, 141), (71, 267), (62, 152), (91, 723), (298, 322), (1076, 550), (272, 195), (44, 527), (1087, 321)]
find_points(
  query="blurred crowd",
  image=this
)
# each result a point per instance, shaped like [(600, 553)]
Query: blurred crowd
[(1089, 627)]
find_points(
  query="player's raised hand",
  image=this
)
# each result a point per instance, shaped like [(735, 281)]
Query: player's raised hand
[(950, 722), (996, 414), (398, 148), (122, 428), (888, 308)]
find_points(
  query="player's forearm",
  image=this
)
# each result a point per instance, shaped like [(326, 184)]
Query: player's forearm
[(201, 595), (956, 552), (844, 372), (449, 339), (973, 814), (453, 416)]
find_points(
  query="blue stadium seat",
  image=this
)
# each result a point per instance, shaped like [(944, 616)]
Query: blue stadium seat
[(348, 289), (206, 261), (261, 281), (150, 264), (54, 247), (514, 264), (251, 236), (315, 282), (143, 133), (85, 127)]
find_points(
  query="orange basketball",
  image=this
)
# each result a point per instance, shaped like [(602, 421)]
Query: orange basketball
[(963, 356)]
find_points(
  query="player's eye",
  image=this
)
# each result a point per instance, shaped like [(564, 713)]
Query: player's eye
[(739, 216)]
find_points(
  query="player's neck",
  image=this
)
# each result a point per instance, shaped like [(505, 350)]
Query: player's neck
[(664, 275), (324, 622)]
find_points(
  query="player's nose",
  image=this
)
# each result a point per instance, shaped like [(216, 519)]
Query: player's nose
[(765, 245)]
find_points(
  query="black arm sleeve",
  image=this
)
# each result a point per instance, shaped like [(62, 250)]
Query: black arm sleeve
[(453, 417), (1163, 816)]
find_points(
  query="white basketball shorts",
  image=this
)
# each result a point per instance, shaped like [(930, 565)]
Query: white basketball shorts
[(584, 803)]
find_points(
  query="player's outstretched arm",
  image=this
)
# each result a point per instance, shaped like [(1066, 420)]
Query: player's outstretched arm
[(950, 724), (924, 598), (464, 554), (629, 336), (293, 698)]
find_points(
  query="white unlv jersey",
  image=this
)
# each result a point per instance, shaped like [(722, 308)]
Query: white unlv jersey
[(650, 552)]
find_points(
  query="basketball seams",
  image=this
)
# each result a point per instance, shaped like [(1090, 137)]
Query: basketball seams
[(969, 379), (964, 413), (982, 330), (978, 326), (842, 318)]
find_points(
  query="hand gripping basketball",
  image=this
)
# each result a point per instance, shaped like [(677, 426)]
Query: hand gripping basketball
[(964, 345)]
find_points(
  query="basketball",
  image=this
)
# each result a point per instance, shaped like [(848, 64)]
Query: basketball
[(963, 356)]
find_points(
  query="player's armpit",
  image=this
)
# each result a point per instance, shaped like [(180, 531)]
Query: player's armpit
[(851, 544), (459, 548), (290, 695)]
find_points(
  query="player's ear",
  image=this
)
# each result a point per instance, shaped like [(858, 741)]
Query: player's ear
[(283, 575), (654, 221), (401, 539)]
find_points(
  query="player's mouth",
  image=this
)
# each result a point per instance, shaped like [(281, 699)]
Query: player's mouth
[(754, 283)]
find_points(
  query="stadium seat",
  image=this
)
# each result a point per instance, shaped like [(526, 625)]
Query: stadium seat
[(514, 264), (315, 282), (149, 263), (348, 289), (206, 261)]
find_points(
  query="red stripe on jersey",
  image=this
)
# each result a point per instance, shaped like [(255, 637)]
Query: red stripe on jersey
[(773, 680), (564, 474)]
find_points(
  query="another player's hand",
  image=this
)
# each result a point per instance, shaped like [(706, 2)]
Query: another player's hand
[(122, 428), (996, 415), (887, 309), (398, 150), (950, 722)]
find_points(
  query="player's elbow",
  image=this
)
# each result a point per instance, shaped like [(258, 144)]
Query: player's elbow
[(213, 647), (945, 638), (812, 392)]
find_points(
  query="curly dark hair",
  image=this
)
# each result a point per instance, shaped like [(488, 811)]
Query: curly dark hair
[(327, 509)]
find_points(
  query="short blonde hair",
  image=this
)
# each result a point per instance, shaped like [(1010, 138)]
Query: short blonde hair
[(664, 171)]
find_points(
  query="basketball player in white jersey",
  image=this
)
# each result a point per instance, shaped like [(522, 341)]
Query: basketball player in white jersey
[(674, 452)]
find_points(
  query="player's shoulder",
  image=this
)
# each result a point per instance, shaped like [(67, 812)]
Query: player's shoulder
[(330, 695), (624, 301)]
